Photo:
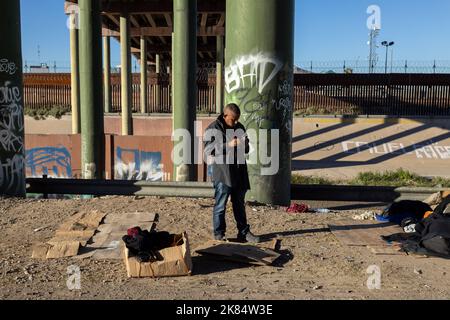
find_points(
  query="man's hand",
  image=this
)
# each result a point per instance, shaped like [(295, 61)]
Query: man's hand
[(234, 143)]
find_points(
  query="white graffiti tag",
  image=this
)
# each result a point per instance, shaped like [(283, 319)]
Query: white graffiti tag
[(249, 71), (12, 174), (11, 119), (7, 66)]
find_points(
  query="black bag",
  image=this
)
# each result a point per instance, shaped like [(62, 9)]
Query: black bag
[(399, 211), (435, 230)]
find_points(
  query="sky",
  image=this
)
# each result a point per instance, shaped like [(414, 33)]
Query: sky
[(325, 30)]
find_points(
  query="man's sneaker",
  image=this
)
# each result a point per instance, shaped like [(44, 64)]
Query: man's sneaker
[(219, 237), (249, 237)]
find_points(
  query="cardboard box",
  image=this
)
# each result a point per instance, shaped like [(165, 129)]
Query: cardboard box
[(176, 262)]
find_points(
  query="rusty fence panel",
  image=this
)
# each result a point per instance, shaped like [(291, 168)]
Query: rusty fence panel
[(314, 94)]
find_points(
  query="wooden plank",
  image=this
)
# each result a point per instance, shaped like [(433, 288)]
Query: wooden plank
[(363, 233)]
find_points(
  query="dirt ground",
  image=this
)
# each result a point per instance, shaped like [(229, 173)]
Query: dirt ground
[(320, 268)]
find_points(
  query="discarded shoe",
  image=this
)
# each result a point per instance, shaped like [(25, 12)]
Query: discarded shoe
[(249, 237)]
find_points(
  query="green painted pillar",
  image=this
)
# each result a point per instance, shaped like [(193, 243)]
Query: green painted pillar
[(219, 74), (259, 79), (125, 70), (107, 74), (12, 147), (91, 91), (185, 85), (75, 74), (144, 68)]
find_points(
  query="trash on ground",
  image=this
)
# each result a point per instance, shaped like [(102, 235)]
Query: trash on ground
[(322, 210), (298, 208), (368, 215)]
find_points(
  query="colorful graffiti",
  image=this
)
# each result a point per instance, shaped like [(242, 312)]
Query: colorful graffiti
[(54, 162), (134, 164)]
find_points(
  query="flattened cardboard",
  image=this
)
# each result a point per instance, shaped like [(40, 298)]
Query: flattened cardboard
[(239, 252), (363, 233), (63, 250), (73, 233), (176, 261)]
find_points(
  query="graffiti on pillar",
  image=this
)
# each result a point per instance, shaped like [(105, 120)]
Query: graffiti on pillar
[(11, 174), (284, 107), (247, 80), (7, 67), (251, 71), (54, 162), (134, 164), (11, 130)]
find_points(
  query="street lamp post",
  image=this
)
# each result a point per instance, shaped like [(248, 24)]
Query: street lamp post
[(387, 45)]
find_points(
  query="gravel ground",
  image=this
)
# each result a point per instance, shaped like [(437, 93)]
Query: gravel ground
[(319, 268)]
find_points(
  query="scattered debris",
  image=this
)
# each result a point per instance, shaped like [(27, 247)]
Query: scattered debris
[(417, 271), (298, 208), (368, 215), (40, 229), (317, 287)]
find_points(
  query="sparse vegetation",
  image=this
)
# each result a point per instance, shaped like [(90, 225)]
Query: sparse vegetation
[(43, 112), (398, 178)]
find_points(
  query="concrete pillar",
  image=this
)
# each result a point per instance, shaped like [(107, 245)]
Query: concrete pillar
[(185, 85), (259, 79), (92, 128), (12, 148), (75, 74), (219, 73), (144, 67), (107, 74), (125, 70)]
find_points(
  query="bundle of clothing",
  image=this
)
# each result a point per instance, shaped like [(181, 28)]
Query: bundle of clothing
[(144, 244), (430, 227)]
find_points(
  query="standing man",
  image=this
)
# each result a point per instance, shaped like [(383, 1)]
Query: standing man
[(226, 145)]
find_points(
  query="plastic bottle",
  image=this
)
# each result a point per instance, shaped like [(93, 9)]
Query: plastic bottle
[(323, 210)]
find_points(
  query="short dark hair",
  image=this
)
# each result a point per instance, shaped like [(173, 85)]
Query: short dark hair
[(233, 108)]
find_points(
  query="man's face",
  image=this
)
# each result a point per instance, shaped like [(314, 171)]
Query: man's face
[(231, 119)]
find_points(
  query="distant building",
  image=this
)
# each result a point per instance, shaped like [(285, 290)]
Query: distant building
[(43, 68), (300, 70)]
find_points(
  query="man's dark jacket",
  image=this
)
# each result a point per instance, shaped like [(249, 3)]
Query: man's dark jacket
[(234, 175)]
